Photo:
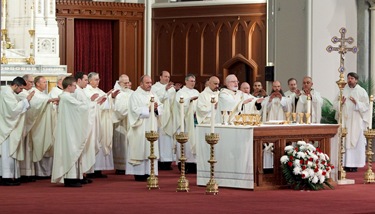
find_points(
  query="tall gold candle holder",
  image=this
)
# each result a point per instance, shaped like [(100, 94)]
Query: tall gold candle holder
[(369, 174), (183, 183), (212, 188), (152, 180), (4, 59), (31, 59)]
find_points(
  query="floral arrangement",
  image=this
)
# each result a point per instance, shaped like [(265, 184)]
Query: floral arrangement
[(306, 167)]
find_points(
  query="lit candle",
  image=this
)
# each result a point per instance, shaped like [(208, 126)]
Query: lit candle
[(371, 110), (32, 18), (152, 115), (182, 114), (4, 15), (213, 114)]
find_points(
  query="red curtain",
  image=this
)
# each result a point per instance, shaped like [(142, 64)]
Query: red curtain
[(93, 49)]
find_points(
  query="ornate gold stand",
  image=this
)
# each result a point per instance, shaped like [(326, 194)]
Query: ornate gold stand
[(4, 33), (212, 188), (152, 180), (31, 59), (341, 172), (183, 183), (369, 174)]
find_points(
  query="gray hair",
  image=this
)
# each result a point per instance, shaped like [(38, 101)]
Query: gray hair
[(91, 75)]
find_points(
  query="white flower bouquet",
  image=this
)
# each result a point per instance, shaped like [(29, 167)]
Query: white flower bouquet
[(306, 167)]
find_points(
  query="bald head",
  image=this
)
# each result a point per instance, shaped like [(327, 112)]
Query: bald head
[(276, 86), (146, 83), (213, 83), (245, 88)]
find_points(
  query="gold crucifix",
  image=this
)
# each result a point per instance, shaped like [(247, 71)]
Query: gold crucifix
[(342, 49)]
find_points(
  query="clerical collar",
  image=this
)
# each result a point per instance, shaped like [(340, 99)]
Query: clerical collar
[(59, 88)]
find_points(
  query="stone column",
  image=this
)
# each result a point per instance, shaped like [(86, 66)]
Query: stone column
[(372, 41)]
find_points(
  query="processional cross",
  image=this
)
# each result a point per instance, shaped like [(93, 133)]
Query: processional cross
[(342, 49)]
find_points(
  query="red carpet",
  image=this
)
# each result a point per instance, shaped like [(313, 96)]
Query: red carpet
[(121, 194)]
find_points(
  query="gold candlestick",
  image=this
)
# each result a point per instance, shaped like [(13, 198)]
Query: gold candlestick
[(4, 59), (183, 183), (308, 115), (31, 59), (301, 117), (152, 180), (212, 188), (369, 174)]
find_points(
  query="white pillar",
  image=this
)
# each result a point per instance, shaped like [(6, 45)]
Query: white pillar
[(372, 41)]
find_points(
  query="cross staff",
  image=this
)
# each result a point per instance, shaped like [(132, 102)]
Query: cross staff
[(342, 49)]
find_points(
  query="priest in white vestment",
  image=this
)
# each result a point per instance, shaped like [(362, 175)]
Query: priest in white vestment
[(291, 95), (231, 101), (12, 123), (92, 145), (165, 90), (27, 165), (58, 89), (255, 105), (204, 100), (104, 158), (275, 105), (71, 134), (190, 96), (316, 102), (40, 128), (141, 120), (120, 125), (355, 118)]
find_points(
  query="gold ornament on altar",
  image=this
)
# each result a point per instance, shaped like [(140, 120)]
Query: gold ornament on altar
[(152, 180), (247, 119), (342, 49)]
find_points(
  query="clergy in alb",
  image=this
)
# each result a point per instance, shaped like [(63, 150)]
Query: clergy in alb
[(255, 105), (316, 101), (120, 125), (355, 118), (291, 94), (71, 134), (165, 90), (204, 100), (190, 96), (275, 105), (12, 121), (231, 100), (141, 119), (41, 127)]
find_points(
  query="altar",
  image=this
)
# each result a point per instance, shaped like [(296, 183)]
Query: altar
[(239, 152)]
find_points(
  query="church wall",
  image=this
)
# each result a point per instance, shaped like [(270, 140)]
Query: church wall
[(328, 18), (201, 39)]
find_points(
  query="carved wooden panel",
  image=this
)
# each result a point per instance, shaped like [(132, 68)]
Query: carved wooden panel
[(203, 41), (127, 32)]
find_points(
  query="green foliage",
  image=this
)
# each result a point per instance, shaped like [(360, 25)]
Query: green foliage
[(328, 112)]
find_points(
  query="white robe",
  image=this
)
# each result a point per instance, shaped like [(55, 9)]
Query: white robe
[(120, 129), (250, 108), (71, 133), (275, 109), (92, 145), (291, 101), (166, 121), (140, 121), (12, 123), (229, 104), (42, 124), (355, 119), (316, 106), (27, 165), (204, 105), (104, 157), (188, 120)]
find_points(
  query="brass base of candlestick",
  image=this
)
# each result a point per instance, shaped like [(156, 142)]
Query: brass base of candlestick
[(369, 174), (212, 188), (152, 180), (308, 115), (183, 183)]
